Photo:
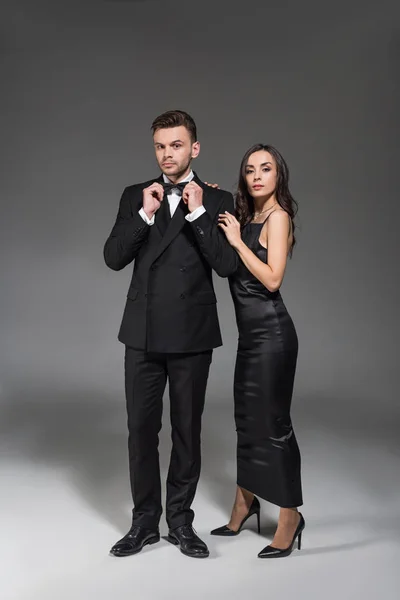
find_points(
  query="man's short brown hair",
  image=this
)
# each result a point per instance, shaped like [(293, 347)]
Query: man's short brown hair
[(175, 118)]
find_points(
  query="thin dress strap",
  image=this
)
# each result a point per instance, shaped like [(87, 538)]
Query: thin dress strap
[(290, 220), (262, 226), (266, 219)]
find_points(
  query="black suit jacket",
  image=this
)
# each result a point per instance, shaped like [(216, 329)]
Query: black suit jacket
[(171, 303)]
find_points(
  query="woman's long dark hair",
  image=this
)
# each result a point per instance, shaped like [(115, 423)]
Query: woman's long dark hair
[(244, 201)]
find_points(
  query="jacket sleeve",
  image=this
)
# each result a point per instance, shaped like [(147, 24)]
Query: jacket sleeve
[(127, 235), (212, 241)]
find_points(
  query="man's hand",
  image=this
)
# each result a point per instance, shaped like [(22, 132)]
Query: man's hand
[(193, 196), (152, 198)]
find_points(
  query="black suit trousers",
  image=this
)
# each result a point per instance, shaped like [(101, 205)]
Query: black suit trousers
[(146, 376)]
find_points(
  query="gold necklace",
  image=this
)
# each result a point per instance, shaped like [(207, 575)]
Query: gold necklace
[(257, 214)]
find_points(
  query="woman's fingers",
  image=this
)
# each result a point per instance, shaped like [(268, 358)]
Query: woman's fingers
[(213, 185), (230, 217)]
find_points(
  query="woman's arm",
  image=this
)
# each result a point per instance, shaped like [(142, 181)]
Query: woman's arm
[(270, 274)]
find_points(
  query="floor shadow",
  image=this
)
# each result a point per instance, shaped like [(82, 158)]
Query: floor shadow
[(318, 550)]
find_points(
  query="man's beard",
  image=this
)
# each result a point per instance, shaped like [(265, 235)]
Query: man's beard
[(179, 170)]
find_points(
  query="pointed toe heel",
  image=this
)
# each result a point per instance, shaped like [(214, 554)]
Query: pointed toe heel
[(225, 531), (272, 552)]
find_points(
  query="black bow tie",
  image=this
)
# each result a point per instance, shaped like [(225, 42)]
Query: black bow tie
[(177, 187)]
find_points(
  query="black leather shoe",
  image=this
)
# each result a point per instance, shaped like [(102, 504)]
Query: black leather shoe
[(189, 542), (271, 552), (134, 540), (253, 510)]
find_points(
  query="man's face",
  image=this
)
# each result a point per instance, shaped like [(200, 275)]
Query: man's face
[(175, 151)]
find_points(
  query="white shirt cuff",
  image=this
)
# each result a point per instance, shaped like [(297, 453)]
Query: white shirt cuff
[(146, 218), (196, 213)]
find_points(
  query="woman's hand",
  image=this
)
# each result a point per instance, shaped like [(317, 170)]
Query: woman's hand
[(213, 185), (231, 226)]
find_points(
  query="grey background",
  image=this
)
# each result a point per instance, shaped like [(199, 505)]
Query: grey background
[(82, 83)]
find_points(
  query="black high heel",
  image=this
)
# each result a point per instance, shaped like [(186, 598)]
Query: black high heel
[(271, 552), (253, 510)]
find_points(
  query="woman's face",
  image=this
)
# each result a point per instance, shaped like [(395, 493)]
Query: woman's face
[(261, 174)]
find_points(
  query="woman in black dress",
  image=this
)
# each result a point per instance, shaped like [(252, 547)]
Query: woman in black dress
[(268, 457)]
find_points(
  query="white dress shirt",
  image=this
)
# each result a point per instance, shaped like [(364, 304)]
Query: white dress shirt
[(173, 201)]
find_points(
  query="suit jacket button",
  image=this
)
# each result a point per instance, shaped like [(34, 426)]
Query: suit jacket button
[(182, 296)]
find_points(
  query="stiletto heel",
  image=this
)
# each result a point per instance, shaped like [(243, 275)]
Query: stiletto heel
[(271, 552), (253, 510)]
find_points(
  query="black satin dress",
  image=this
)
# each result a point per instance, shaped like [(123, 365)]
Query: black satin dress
[(268, 457)]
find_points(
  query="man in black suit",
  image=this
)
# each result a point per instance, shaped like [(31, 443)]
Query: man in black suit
[(169, 227)]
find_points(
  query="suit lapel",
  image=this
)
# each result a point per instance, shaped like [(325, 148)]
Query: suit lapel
[(206, 192), (175, 226), (161, 222), (163, 216), (178, 220)]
